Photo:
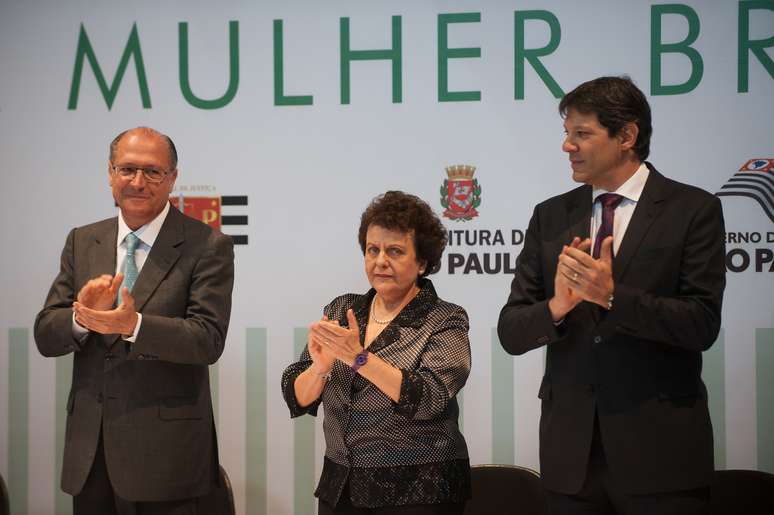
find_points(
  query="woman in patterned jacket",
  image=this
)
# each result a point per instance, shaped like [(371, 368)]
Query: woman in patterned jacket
[(387, 367)]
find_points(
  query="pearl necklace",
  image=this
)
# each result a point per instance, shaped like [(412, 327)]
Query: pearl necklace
[(373, 317)]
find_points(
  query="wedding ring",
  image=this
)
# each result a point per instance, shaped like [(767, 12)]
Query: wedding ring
[(575, 277)]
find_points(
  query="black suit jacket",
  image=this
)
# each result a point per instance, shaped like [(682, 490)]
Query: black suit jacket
[(150, 398), (639, 365)]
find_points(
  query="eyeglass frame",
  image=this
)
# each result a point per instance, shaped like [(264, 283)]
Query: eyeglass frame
[(144, 170)]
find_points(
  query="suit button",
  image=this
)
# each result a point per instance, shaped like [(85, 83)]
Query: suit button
[(99, 398), (597, 339), (108, 356)]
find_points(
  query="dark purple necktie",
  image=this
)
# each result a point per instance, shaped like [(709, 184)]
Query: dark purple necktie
[(609, 202)]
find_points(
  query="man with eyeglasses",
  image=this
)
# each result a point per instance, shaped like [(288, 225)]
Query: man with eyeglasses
[(142, 300)]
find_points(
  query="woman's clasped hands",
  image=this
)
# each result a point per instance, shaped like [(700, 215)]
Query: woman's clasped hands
[(329, 341)]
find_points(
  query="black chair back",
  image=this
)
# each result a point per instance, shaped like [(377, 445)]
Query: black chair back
[(220, 500), (742, 492), (504, 489)]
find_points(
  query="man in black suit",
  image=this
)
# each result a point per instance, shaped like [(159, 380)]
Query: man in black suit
[(622, 279), (140, 436)]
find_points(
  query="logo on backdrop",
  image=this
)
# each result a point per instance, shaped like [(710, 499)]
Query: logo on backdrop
[(474, 250), (755, 180), (750, 249), (208, 208), (460, 193)]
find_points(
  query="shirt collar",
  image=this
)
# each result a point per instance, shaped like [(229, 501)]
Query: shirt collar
[(632, 188), (147, 233)]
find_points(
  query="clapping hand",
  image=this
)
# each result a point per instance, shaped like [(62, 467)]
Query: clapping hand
[(121, 320), (100, 293), (322, 357), (588, 279), (343, 343)]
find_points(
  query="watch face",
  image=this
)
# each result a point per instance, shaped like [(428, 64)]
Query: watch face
[(361, 359)]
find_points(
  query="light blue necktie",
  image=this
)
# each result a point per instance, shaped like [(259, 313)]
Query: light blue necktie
[(130, 265)]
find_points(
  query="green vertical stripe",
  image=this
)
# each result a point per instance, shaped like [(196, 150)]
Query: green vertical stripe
[(714, 376), (18, 418), (503, 420), (256, 416), (63, 503), (764, 362), (303, 448), (214, 387)]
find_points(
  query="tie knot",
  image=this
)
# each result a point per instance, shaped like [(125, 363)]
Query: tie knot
[(132, 241), (610, 200)]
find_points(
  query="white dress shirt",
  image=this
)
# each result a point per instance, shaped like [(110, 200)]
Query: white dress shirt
[(147, 235), (630, 191)]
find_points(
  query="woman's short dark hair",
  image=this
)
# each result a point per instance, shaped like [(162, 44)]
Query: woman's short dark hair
[(616, 101), (399, 211)]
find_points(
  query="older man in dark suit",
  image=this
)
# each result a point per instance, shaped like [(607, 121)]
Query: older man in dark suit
[(623, 279), (142, 300)]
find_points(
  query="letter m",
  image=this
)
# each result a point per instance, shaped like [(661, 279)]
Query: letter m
[(86, 51)]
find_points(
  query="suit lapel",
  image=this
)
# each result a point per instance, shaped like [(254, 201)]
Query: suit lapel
[(579, 224), (642, 219), (102, 257), (163, 255), (102, 260), (579, 214)]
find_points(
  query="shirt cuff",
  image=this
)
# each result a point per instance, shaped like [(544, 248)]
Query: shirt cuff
[(131, 338), (79, 332)]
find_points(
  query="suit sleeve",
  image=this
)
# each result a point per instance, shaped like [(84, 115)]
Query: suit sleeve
[(690, 319), (525, 321), (443, 370), (54, 324), (199, 336)]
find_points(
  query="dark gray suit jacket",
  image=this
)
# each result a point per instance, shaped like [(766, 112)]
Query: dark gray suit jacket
[(637, 366), (150, 398)]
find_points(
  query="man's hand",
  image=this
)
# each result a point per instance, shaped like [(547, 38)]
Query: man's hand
[(565, 297), (590, 279), (121, 320), (100, 293)]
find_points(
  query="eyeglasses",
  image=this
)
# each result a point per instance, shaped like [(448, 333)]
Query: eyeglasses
[(150, 174)]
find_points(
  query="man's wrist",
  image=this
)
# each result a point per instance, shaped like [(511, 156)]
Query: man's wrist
[(557, 312), (130, 332), (608, 300)]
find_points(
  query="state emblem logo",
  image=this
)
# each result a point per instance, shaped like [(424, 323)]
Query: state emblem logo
[(460, 193), (204, 209), (754, 180), (208, 209)]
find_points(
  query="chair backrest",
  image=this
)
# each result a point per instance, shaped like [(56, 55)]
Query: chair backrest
[(742, 492), (5, 502), (502, 489), (220, 500)]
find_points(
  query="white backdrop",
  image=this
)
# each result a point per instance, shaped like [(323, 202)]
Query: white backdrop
[(309, 170)]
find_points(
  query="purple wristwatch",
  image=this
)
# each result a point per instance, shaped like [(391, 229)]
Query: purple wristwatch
[(360, 359)]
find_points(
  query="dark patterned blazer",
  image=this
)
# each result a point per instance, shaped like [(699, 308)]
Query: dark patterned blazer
[(409, 452), (149, 399), (638, 366)]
